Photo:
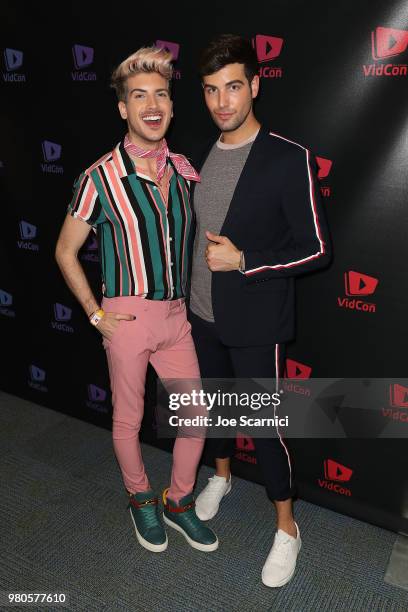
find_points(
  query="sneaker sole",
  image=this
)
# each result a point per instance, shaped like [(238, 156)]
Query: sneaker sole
[(193, 543), (145, 543), (285, 580), (216, 512)]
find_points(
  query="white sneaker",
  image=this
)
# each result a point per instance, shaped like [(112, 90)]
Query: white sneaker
[(208, 502), (281, 562)]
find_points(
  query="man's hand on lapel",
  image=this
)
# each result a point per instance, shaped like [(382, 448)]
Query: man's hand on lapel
[(221, 254)]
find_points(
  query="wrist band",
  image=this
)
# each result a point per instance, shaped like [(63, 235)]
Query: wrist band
[(95, 317), (241, 262)]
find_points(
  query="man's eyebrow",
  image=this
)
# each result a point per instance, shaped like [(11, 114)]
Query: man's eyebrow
[(145, 90), (226, 84), (235, 81)]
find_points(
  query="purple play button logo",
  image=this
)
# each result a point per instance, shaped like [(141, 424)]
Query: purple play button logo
[(92, 244), (37, 374), (173, 47), (6, 299), (83, 56), (51, 150), (96, 394), (13, 59), (62, 313), (27, 230)]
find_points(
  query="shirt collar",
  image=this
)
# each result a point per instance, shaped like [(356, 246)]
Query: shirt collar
[(125, 166)]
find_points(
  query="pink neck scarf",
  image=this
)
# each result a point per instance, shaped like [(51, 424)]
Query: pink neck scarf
[(161, 154)]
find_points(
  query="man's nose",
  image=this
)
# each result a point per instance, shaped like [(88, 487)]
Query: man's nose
[(151, 101), (223, 99)]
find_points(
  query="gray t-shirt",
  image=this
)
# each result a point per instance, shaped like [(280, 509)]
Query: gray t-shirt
[(212, 198)]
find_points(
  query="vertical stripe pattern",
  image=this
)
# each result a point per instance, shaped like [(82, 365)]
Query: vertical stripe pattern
[(143, 244)]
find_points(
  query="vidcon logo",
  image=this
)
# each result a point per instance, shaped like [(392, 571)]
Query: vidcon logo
[(386, 43), (324, 169), (13, 60), (6, 300), (90, 251), (398, 403), (358, 284), (62, 316), (295, 369), (96, 399), (335, 473), (37, 378), (398, 396), (268, 48), (27, 232), (298, 371), (245, 444), (51, 150), (83, 57), (174, 49), (51, 153)]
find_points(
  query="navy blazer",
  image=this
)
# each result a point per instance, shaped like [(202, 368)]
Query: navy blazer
[(276, 217)]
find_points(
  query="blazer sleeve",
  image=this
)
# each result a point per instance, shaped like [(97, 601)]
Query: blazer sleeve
[(310, 246)]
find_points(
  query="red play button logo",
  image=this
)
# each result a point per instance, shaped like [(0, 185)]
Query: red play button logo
[(398, 396), (295, 369), (388, 42), (244, 442), (324, 167), (357, 283), (267, 47), (336, 471)]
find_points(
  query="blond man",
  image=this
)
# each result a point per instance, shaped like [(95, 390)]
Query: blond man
[(136, 199)]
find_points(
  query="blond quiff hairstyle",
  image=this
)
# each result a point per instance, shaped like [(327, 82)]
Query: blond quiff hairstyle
[(146, 59)]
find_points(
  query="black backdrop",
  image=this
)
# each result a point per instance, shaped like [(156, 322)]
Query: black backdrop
[(338, 86)]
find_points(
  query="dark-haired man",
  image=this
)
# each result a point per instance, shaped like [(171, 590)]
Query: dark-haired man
[(259, 223)]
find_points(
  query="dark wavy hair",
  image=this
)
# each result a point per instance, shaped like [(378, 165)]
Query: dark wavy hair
[(228, 49)]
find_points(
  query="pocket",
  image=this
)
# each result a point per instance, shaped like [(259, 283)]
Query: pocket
[(106, 341)]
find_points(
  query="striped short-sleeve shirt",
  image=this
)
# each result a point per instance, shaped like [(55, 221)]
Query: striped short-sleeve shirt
[(143, 244)]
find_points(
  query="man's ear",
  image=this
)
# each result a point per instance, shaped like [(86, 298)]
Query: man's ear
[(122, 109), (255, 86)]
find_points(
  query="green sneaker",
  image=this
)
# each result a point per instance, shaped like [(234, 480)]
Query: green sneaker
[(183, 518), (149, 529)]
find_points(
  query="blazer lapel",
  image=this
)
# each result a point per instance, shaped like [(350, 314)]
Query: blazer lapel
[(244, 186)]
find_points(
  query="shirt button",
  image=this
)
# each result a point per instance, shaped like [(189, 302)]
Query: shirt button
[(154, 187), (170, 238), (171, 263)]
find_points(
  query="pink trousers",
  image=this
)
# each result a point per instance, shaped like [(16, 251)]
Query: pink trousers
[(161, 335)]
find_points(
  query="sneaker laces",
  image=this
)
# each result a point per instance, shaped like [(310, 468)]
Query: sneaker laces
[(214, 487), (280, 549), (148, 514)]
